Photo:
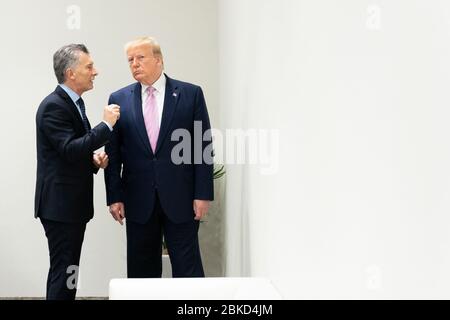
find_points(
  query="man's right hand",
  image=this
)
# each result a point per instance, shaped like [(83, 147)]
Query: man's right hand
[(111, 114), (117, 210)]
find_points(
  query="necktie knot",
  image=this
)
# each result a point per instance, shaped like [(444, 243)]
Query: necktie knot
[(150, 90), (80, 103)]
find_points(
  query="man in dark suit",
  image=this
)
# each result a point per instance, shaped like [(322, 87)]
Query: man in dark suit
[(65, 165), (150, 180)]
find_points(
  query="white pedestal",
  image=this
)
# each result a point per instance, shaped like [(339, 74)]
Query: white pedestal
[(193, 289)]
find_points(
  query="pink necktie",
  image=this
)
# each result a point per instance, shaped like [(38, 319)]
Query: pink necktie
[(151, 118)]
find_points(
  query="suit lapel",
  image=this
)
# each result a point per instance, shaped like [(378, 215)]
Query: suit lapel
[(136, 107), (171, 98), (72, 107)]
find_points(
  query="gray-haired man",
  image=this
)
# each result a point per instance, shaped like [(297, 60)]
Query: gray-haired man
[(66, 163)]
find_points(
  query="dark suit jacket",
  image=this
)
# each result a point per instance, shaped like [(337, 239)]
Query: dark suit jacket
[(135, 172), (64, 184)]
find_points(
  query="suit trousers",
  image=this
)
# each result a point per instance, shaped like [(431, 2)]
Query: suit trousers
[(64, 243), (144, 246)]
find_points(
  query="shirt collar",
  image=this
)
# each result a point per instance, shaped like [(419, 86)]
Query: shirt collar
[(72, 94), (159, 85)]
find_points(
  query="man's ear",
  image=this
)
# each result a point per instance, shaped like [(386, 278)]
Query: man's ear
[(70, 74), (160, 60)]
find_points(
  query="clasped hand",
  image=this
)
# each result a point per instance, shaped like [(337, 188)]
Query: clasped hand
[(100, 160)]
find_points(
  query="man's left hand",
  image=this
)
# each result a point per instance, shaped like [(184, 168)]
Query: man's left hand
[(201, 208), (100, 160)]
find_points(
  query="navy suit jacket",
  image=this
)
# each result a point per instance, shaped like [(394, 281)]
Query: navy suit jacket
[(135, 172), (64, 184)]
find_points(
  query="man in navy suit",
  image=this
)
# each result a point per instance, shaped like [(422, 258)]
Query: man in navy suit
[(145, 181), (65, 165)]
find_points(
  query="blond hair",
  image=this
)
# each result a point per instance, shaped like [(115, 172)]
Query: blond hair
[(156, 49)]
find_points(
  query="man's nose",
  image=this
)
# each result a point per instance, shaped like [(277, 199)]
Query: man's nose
[(135, 62)]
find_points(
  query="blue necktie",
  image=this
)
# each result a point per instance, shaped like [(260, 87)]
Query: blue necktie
[(83, 114)]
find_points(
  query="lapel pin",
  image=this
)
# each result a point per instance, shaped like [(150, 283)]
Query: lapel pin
[(174, 94)]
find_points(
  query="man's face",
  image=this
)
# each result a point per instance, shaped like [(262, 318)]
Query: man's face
[(145, 67), (83, 74)]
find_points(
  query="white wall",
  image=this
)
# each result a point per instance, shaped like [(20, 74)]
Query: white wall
[(31, 31), (360, 205)]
